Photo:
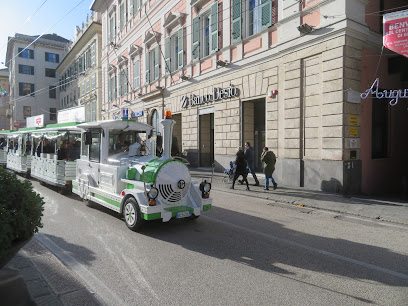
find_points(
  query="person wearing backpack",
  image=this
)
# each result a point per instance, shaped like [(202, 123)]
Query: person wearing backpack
[(268, 159)]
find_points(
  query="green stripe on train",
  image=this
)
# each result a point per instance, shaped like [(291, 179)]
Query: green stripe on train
[(109, 201)]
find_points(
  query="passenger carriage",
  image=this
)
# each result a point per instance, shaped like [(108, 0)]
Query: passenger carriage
[(54, 155), (19, 145), (135, 182), (3, 148)]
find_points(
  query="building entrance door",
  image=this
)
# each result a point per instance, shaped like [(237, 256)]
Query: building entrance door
[(253, 127), (206, 143)]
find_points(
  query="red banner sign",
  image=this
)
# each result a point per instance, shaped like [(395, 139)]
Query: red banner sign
[(396, 32)]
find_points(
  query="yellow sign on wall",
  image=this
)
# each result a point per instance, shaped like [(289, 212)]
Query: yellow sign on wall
[(353, 131), (353, 120)]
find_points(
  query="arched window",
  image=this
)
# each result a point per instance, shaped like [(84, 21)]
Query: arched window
[(155, 122)]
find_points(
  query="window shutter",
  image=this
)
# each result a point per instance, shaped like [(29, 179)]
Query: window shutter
[(236, 20), (124, 13), (266, 14), (214, 27), (109, 29), (167, 55), (196, 38), (120, 83), (131, 7), (136, 74), (109, 89), (114, 26), (156, 63), (119, 18), (181, 48), (138, 4), (147, 66)]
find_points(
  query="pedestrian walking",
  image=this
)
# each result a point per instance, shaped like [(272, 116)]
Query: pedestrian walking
[(240, 168), (249, 158), (268, 159)]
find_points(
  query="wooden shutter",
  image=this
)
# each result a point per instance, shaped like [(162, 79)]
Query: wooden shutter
[(167, 55), (136, 74), (120, 83), (131, 7), (236, 20), (156, 63), (196, 38), (214, 27), (147, 67), (181, 48), (266, 14)]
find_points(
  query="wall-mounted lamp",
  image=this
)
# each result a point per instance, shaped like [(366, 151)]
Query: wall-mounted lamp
[(184, 77), (272, 93), (305, 28), (159, 87), (222, 63), (140, 94)]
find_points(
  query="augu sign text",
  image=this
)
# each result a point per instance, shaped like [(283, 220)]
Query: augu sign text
[(216, 94), (393, 94)]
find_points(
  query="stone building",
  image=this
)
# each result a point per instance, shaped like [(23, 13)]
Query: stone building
[(32, 63), (5, 112), (80, 71), (285, 74)]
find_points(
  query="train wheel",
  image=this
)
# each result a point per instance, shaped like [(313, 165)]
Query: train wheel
[(194, 217), (131, 213), (65, 190), (42, 183)]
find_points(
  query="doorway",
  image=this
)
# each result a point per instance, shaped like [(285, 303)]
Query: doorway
[(206, 143), (253, 127)]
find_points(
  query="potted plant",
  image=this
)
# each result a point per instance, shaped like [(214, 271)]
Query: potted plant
[(20, 214)]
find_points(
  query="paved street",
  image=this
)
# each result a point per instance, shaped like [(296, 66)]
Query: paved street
[(246, 250)]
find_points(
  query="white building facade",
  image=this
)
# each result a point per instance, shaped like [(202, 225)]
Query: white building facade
[(32, 63), (80, 71)]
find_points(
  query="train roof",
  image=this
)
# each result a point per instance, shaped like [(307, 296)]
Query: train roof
[(118, 125)]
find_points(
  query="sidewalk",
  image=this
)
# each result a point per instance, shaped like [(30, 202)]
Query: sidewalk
[(395, 211), (47, 280)]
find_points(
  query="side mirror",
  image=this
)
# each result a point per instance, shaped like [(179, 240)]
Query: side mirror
[(88, 138)]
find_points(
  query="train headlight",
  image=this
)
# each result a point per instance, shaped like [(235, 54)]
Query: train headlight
[(205, 188), (153, 193)]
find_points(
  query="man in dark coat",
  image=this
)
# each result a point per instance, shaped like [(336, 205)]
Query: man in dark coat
[(249, 157), (268, 159), (240, 168)]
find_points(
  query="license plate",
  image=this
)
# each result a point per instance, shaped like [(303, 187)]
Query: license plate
[(183, 214)]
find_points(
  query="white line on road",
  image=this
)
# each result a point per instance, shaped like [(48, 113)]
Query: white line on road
[(312, 249), (92, 282)]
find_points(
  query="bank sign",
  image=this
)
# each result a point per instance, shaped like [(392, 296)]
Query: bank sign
[(216, 94)]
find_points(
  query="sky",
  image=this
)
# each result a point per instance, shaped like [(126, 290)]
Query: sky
[(36, 17)]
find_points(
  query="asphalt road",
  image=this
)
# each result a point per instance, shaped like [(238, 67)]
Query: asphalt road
[(245, 251)]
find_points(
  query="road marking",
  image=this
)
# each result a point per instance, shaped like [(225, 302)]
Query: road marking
[(312, 249), (91, 281)]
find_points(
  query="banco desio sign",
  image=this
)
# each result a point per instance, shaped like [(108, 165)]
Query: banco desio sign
[(216, 94)]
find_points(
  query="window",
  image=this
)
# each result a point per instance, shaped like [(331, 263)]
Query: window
[(52, 92), (80, 67), (134, 7), (205, 28), (112, 27), (26, 53), (26, 111), (122, 14), (50, 72), (93, 103), (53, 114), (51, 57), (152, 65), (88, 86), (94, 148), (26, 89), (256, 15), (93, 54), (24, 69), (88, 112), (136, 73), (112, 88), (123, 88), (380, 129), (93, 85), (174, 51), (155, 123)]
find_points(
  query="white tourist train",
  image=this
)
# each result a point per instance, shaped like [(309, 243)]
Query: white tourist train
[(54, 153), (19, 145), (119, 169)]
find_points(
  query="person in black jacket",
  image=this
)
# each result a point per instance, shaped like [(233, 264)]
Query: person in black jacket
[(240, 168)]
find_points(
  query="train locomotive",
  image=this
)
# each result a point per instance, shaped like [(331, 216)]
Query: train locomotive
[(131, 179)]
